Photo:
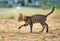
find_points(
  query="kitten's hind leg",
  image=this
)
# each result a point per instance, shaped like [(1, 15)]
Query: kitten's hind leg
[(46, 27), (43, 28)]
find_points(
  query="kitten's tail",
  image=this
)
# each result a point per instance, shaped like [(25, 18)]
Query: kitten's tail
[(51, 11)]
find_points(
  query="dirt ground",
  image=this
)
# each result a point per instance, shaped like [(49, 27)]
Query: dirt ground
[(9, 29)]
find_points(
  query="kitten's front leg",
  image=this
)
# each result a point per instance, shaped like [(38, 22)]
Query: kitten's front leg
[(23, 25)]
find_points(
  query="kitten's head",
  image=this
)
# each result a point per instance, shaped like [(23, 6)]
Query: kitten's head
[(21, 17)]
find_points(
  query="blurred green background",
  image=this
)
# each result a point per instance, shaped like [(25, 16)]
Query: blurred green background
[(30, 3)]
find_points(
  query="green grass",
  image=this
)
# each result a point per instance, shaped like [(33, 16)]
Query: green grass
[(29, 12), (9, 16), (2, 15)]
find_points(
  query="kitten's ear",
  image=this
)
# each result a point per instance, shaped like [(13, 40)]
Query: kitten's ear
[(21, 15)]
